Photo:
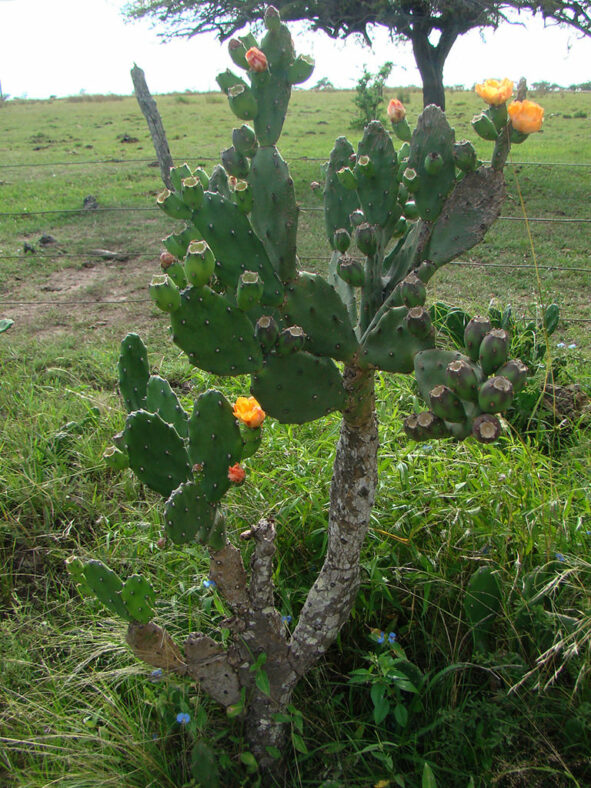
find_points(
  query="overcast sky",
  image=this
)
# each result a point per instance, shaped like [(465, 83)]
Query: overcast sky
[(62, 47)]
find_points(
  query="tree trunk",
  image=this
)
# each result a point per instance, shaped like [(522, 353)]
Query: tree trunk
[(430, 61)]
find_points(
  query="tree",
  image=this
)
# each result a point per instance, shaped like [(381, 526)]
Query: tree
[(432, 26)]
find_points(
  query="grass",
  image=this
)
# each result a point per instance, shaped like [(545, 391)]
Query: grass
[(77, 710)]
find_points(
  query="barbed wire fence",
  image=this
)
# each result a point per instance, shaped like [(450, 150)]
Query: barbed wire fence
[(122, 256)]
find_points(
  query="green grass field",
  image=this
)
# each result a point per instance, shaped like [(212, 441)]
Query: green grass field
[(76, 709)]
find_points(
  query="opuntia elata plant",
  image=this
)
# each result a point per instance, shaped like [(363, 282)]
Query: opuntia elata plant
[(239, 304)]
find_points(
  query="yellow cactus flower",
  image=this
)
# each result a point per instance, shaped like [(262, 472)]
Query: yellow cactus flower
[(526, 116), (495, 92), (248, 410)]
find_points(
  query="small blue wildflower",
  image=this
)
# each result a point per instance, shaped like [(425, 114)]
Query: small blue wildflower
[(209, 584), (561, 344), (588, 533), (391, 637), (560, 557), (286, 619), (380, 637), (155, 675), (572, 346), (183, 718), (154, 736), (427, 448)]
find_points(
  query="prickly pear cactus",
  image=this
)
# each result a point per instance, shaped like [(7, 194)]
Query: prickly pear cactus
[(239, 304)]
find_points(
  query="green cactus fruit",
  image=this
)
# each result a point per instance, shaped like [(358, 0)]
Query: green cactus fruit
[(134, 372), (177, 243), (425, 426), (157, 454), (464, 379), (245, 141), (203, 176), (493, 350), (431, 369), (418, 322), (138, 597), (199, 263), (267, 332), (232, 240), (174, 269), (515, 371), (446, 404), (412, 291), (433, 163), (376, 189), (215, 442), (495, 395), (486, 428), (314, 305), (192, 192), (115, 459), (252, 438), (164, 293), (411, 180), (400, 228), (459, 430), (215, 335), (484, 127), (403, 194), (432, 138), (250, 290), (364, 166), (402, 130), (219, 182), (161, 399), (390, 345), (275, 213), (482, 604), (291, 340), (465, 156), (498, 114), (341, 240), (474, 333), (243, 196), (301, 69), (339, 202), (298, 388), (365, 238), (237, 52), (106, 586), (351, 271), (75, 569), (178, 174), (235, 163), (242, 102), (173, 206), (188, 515), (347, 178), (410, 210)]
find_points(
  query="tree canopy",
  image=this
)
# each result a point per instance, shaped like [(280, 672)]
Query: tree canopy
[(432, 26)]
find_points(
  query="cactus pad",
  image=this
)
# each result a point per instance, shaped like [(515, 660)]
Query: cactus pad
[(134, 372), (188, 515), (138, 597), (391, 346), (161, 399)]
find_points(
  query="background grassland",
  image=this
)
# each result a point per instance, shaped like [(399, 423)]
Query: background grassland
[(76, 708)]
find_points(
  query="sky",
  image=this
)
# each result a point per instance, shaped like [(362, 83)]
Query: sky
[(64, 47)]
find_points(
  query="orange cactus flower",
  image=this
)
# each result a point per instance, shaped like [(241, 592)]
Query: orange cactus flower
[(248, 410), (256, 59), (396, 111), (526, 116), (236, 473), (495, 92)]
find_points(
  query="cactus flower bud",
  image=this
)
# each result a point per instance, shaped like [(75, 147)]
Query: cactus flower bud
[(396, 111), (495, 92), (166, 259), (236, 474), (526, 116), (248, 411), (257, 60)]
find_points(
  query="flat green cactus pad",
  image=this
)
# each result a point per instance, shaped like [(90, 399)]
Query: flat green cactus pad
[(299, 387), (161, 399), (314, 305), (430, 368), (106, 585), (377, 189), (339, 202), (157, 454), (215, 335), (134, 372), (391, 346), (138, 597), (215, 442), (236, 247), (433, 135), (188, 515)]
